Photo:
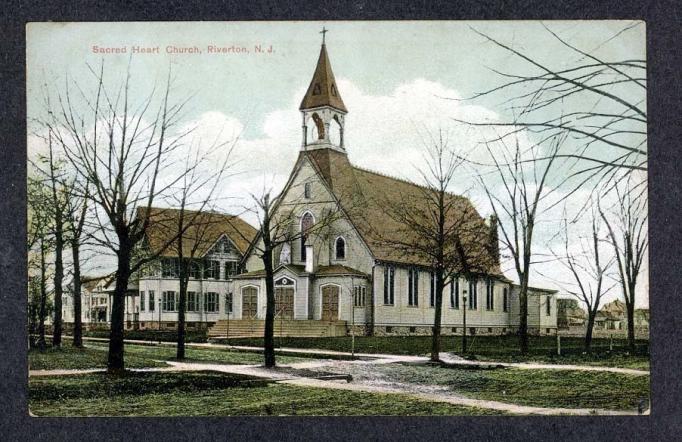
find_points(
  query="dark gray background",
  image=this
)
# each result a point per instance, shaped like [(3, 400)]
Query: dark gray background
[(663, 24)]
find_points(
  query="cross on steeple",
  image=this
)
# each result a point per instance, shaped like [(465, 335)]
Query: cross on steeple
[(323, 32)]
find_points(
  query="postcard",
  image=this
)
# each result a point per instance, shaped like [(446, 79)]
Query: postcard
[(337, 218)]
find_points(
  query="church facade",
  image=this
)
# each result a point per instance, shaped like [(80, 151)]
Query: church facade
[(339, 265)]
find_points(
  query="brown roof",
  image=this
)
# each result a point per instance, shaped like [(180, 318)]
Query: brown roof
[(205, 228), (365, 195), (322, 90), (90, 283)]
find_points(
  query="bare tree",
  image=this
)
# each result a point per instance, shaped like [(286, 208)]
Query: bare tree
[(589, 270), (39, 236), (192, 228), (627, 231), (76, 209), (515, 189), (434, 226), (50, 170), (276, 228), (124, 154), (599, 104)]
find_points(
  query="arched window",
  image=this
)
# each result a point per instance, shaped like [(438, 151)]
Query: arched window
[(319, 127), (307, 222), (340, 248)]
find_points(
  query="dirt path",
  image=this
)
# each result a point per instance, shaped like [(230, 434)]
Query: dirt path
[(389, 358)]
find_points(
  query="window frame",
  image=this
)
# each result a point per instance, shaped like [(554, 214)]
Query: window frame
[(195, 301), (548, 309), (165, 301), (454, 293), (432, 290), (336, 248), (142, 300), (389, 285), (152, 301), (489, 295), (307, 190), (473, 294), (505, 299), (207, 301), (413, 287), (229, 303), (359, 296)]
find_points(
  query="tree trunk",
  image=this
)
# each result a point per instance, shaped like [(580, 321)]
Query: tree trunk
[(182, 307), (269, 336), (523, 318), (43, 298), (435, 341), (77, 322), (115, 363), (588, 332), (630, 307), (58, 279)]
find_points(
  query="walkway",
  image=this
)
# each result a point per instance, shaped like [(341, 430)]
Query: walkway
[(387, 358)]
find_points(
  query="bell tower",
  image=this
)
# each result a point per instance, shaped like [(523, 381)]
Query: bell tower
[(322, 108)]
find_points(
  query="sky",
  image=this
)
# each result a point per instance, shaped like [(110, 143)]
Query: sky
[(401, 83)]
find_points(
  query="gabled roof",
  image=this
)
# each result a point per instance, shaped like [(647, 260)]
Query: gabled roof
[(90, 283), (322, 90), (363, 195), (203, 231)]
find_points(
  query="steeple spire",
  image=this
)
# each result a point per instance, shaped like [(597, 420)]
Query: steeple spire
[(322, 90), (323, 108)]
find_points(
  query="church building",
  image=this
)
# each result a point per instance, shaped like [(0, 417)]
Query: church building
[(339, 271)]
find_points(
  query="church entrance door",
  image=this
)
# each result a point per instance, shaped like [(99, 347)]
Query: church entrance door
[(284, 302), (330, 303), (249, 302)]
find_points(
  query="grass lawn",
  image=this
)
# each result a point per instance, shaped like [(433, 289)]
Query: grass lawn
[(542, 388), (498, 348), (212, 394), (137, 356)]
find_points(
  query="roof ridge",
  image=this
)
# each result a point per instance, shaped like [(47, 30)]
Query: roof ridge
[(404, 180)]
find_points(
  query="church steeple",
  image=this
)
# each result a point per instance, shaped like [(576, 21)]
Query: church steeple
[(323, 105)]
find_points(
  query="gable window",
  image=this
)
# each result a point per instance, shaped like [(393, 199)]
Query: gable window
[(489, 295), (228, 303), (211, 269), (505, 299), (432, 292), (454, 292), (211, 302), (227, 247), (548, 311), (195, 269), (473, 295), (231, 269), (359, 294), (141, 301), (307, 191), (340, 248), (306, 224), (192, 302), (413, 287), (169, 267), (152, 301), (389, 285), (168, 302)]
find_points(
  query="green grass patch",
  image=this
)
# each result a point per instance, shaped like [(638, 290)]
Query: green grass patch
[(68, 357), (213, 394), (541, 388), (497, 348), (139, 356), (153, 335)]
